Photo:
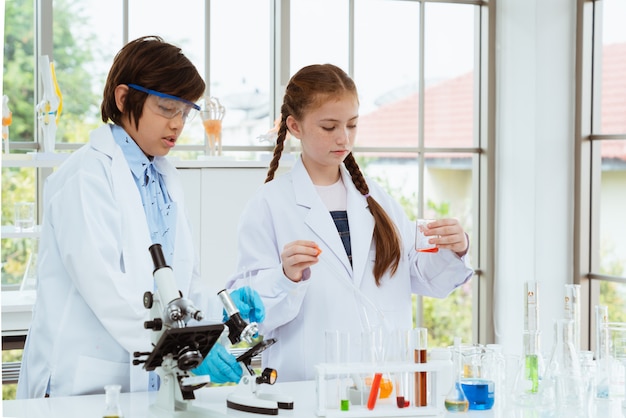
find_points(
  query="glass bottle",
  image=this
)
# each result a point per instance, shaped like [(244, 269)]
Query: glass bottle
[(112, 407), (528, 379)]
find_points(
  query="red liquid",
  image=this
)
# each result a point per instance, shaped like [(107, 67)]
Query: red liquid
[(429, 250), (401, 402), (371, 402), (420, 379)]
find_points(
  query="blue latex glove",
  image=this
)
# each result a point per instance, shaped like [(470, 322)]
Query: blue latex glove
[(249, 303), (220, 365)]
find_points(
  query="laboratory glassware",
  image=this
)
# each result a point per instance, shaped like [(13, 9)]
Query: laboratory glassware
[(419, 342), (478, 376), (456, 401), (572, 310), (531, 305), (400, 353), (112, 408), (421, 241), (588, 369), (564, 382), (212, 116), (337, 352), (531, 367)]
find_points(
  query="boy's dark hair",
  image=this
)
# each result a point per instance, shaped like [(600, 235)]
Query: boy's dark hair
[(154, 64)]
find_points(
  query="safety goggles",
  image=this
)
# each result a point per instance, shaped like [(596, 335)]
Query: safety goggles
[(169, 106)]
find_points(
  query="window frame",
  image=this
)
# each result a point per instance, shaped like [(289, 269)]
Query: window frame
[(588, 166), (482, 167)]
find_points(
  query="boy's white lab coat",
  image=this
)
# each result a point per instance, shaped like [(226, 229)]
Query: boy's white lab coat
[(94, 267), (337, 296)]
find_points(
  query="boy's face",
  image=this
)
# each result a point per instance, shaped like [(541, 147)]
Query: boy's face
[(156, 134)]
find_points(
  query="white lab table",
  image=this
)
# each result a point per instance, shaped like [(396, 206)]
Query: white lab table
[(212, 401)]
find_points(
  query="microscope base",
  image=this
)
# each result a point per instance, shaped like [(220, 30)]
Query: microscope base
[(250, 403)]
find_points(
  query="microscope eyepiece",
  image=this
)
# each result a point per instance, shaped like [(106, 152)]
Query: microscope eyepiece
[(157, 256)]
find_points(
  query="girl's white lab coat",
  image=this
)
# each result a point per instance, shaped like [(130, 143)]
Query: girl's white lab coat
[(94, 269), (336, 296)]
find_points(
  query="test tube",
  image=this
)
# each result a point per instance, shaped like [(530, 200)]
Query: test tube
[(420, 346), (337, 347), (400, 353)]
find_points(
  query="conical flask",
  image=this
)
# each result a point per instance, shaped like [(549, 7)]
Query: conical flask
[(528, 379), (456, 401), (563, 376)]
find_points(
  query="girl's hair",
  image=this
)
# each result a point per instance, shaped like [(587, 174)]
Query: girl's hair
[(308, 89), (154, 64)]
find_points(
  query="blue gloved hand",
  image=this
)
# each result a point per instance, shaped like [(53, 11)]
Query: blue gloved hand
[(249, 303), (220, 365)]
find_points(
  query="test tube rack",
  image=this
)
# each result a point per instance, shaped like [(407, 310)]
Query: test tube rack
[(328, 373)]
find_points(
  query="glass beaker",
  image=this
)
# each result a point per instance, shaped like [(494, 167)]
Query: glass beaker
[(112, 408), (478, 378)]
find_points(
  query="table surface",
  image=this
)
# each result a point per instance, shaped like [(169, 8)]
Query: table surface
[(211, 403)]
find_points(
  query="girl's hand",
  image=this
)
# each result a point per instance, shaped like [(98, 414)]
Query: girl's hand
[(297, 256), (448, 233)]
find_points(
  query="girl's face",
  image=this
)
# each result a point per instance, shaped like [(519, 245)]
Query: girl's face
[(327, 134), (156, 134)]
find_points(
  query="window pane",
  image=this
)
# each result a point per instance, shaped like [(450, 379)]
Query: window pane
[(387, 76), (18, 185), (18, 68), (447, 193), (612, 209), (613, 82), (613, 296), (181, 26), (319, 33), (449, 75), (87, 34), (240, 68)]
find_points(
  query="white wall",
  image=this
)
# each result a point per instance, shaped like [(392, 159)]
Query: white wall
[(535, 55)]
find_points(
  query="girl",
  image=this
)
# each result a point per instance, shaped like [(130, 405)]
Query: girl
[(326, 248)]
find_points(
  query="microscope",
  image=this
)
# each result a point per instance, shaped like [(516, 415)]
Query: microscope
[(180, 348)]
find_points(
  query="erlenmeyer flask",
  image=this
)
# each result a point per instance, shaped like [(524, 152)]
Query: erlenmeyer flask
[(528, 379), (456, 401), (563, 374)]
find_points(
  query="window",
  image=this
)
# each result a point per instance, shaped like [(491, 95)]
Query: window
[(602, 125), (420, 130)]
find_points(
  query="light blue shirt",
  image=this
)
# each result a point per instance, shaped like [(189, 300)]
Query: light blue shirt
[(159, 208)]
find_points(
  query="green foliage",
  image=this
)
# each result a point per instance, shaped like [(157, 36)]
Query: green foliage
[(8, 356), (73, 48), (18, 184)]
